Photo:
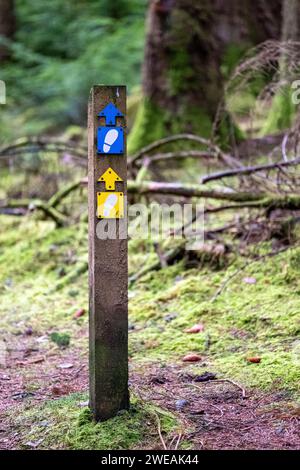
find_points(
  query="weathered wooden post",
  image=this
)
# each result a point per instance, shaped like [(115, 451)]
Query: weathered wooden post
[(108, 271)]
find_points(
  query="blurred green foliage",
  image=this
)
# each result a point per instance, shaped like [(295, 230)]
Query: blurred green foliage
[(61, 48)]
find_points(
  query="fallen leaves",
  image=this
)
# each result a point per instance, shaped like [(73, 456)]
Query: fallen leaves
[(195, 328), (59, 390), (191, 358), (254, 360), (79, 313), (65, 365), (35, 360)]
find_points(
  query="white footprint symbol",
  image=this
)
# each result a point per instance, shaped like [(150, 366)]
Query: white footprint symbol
[(109, 204), (109, 139)]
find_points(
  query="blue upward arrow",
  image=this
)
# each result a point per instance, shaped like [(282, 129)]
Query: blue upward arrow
[(110, 112)]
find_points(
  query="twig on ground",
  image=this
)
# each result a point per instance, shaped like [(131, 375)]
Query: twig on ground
[(177, 443), (233, 383), (283, 147), (159, 432)]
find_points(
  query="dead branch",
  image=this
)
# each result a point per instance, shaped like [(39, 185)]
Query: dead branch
[(240, 199), (229, 160), (159, 431), (182, 154), (33, 204), (249, 170), (38, 144), (190, 190), (63, 193)]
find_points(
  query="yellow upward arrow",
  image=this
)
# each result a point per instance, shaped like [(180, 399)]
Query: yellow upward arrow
[(110, 177)]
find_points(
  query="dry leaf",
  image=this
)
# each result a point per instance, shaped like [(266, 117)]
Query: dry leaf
[(192, 358), (66, 365), (195, 328), (60, 390), (79, 313), (254, 360)]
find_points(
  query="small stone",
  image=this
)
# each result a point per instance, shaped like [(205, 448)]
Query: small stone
[(66, 365), (83, 404), (61, 271), (170, 317), (205, 377), (180, 404), (249, 280), (8, 282), (28, 331)]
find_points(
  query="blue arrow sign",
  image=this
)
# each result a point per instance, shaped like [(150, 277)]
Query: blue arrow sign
[(110, 112)]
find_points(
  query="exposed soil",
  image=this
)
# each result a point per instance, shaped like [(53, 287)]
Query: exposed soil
[(214, 415)]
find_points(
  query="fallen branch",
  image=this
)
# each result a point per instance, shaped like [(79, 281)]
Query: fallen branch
[(159, 431), (32, 144), (31, 205), (190, 190), (248, 170), (63, 193), (48, 208), (197, 154), (229, 160)]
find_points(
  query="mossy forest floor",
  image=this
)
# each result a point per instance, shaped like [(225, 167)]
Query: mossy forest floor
[(44, 376)]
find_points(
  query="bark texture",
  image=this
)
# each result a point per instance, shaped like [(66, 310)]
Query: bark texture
[(7, 25)]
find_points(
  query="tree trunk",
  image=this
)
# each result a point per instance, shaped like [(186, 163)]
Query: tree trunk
[(7, 25), (282, 110), (191, 45)]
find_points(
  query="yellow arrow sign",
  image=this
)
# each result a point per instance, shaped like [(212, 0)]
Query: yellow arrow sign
[(110, 177)]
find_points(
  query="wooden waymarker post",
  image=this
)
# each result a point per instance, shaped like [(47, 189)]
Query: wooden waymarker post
[(108, 271)]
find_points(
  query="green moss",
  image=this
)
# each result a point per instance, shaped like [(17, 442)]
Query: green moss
[(61, 339), (260, 319), (153, 123), (64, 424), (36, 257), (245, 320), (148, 126), (281, 113), (231, 57)]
